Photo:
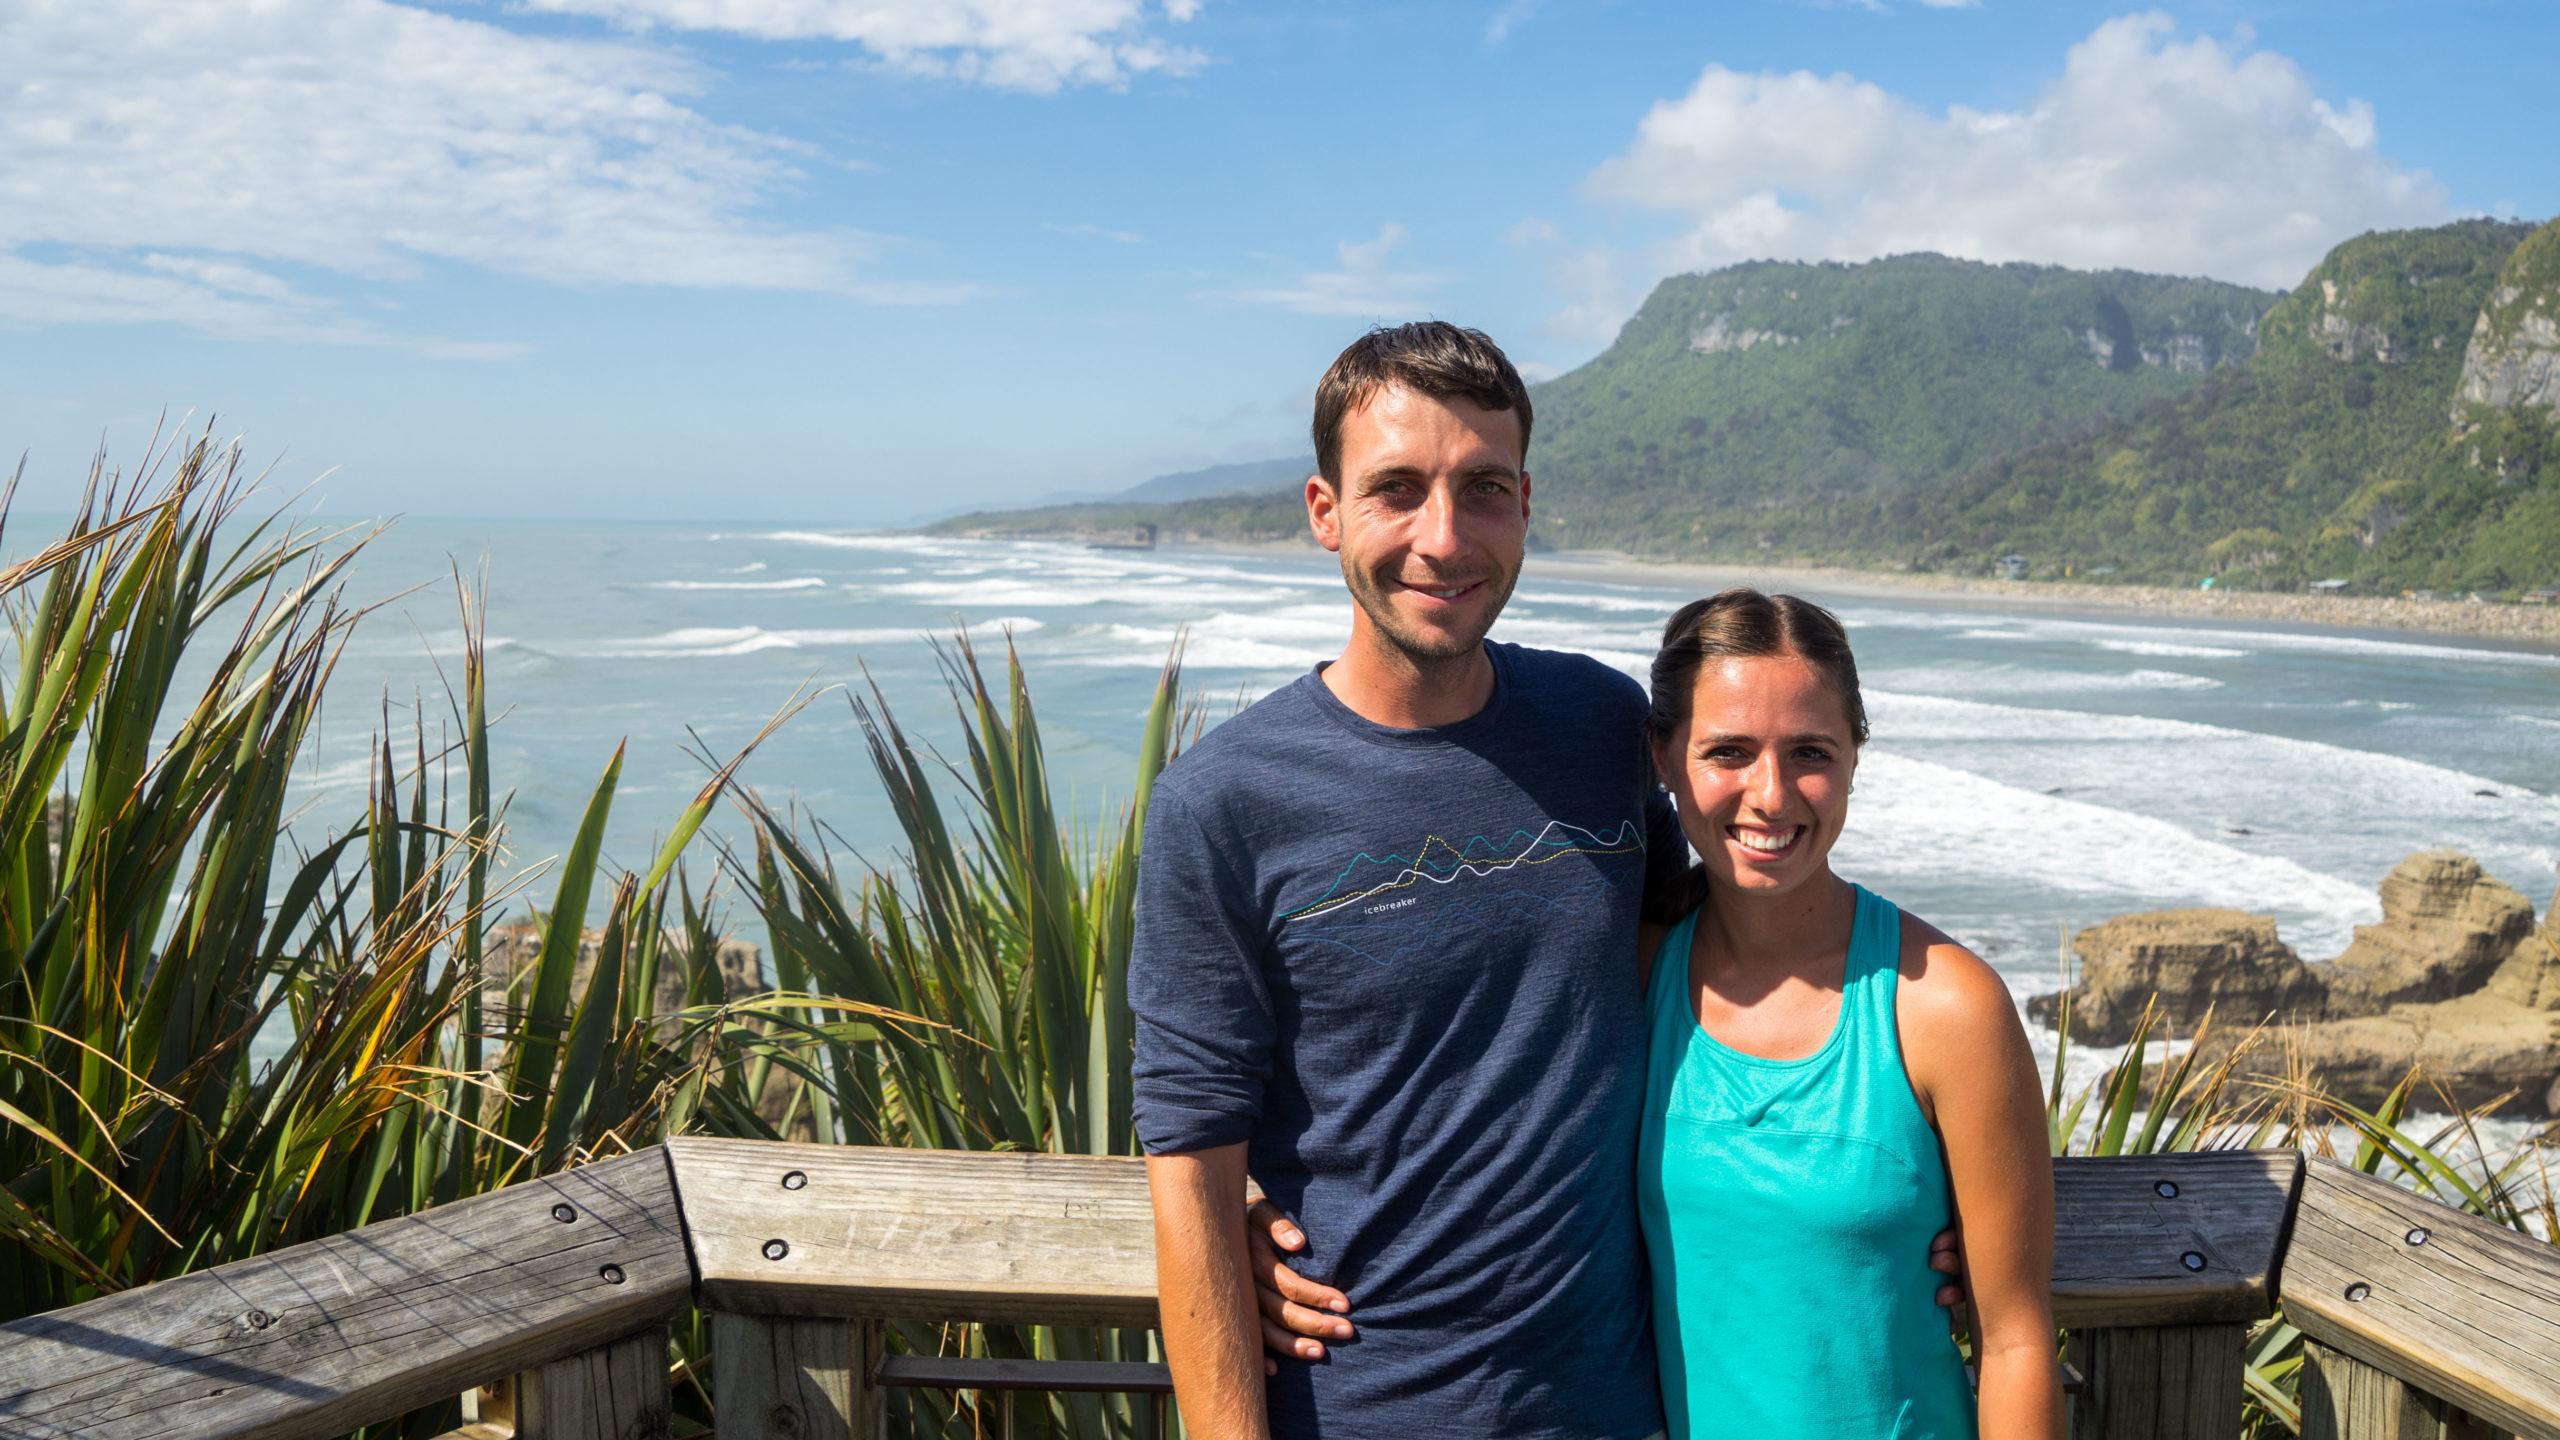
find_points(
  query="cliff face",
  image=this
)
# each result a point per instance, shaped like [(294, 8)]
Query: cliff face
[(2393, 296), (2514, 358)]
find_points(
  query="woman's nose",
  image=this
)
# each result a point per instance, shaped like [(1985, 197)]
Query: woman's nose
[(1767, 787)]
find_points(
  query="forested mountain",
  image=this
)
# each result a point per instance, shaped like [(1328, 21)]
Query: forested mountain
[(2386, 422), (2344, 448)]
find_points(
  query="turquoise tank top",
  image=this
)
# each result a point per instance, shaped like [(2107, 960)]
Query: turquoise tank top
[(1787, 1208)]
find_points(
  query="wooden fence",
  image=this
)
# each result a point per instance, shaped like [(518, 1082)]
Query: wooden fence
[(551, 1301)]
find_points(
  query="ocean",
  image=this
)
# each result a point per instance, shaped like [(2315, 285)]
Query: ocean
[(2030, 773)]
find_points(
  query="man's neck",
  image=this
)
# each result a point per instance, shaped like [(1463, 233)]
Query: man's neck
[(1384, 685)]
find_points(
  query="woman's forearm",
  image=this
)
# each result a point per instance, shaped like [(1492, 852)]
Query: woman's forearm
[(2020, 1394)]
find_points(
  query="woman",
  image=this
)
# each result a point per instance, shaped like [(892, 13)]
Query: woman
[(1830, 1080)]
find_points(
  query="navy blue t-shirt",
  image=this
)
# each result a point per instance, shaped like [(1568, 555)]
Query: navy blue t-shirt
[(1401, 965)]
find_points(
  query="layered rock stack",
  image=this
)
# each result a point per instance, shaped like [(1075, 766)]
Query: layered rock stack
[(2454, 977), (508, 954)]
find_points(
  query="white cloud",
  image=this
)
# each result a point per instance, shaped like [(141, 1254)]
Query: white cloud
[(1362, 286), (1507, 17), (2148, 151), (212, 165), (1097, 232), (1035, 45)]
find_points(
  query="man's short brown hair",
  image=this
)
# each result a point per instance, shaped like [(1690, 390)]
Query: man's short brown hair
[(1432, 357)]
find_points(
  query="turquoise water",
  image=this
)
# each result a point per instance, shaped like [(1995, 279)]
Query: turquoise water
[(2030, 773)]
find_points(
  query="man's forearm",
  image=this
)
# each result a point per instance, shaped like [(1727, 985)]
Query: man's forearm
[(1205, 1295)]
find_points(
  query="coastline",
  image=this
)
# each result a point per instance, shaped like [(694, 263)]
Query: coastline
[(2535, 627)]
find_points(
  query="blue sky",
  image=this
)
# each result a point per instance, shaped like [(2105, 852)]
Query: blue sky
[(855, 260)]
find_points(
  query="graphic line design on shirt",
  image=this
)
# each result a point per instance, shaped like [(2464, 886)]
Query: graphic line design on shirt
[(1555, 840), (1388, 939)]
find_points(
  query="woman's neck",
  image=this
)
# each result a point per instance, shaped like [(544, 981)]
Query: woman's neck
[(1781, 931)]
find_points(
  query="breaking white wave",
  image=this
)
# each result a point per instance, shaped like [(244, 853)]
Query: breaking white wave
[(805, 582), (702, 641), (750, 568), (1993, 635), (2026, 680), (1917, 823), (2543, 720), (1636, 605), (2170, 650)]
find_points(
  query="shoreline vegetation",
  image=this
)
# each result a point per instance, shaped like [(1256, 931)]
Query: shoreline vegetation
[(160, 907)]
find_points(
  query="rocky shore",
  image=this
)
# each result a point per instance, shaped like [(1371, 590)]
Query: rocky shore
[(2456, 979)]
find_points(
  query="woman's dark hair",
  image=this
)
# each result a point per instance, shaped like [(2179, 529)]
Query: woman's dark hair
[(1434, 357), (1740, 622)]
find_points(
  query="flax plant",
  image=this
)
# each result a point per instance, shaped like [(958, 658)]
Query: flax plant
[(216, 1040), (1007, 924)]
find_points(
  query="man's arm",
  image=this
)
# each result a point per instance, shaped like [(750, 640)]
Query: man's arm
[(1211, 1336)]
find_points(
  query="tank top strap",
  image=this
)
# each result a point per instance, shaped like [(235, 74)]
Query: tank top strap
[(1871, 975)]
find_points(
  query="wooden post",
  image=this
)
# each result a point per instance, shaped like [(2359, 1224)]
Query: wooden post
[(779, 1377), (2343, 1398), (613, 1392), (2159, 1382)]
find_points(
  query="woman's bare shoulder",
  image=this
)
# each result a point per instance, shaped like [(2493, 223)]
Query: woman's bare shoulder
[(1947, 990)]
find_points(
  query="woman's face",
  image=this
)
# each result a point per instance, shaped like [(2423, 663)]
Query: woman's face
[(1761, 771)]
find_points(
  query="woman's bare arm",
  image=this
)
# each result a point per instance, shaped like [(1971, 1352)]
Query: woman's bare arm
[(1968, 1060)]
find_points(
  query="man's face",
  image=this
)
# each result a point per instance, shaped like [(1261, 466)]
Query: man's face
[(1430, 521)]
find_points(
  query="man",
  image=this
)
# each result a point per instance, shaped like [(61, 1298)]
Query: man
[(1386, 960)]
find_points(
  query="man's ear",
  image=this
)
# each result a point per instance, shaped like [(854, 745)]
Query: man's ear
[(1324, 513), (1524, 494)]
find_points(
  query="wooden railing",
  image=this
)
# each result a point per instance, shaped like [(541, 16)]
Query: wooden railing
[(550, 1302)]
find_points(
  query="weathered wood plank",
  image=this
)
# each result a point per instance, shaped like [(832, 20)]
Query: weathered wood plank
[(317, 1339), (2165, 1382), (947, 1372), (918, 1234), (2343, 1398), (613, 1392), (779, 1377), (2459, 1308), (2188, 1239)]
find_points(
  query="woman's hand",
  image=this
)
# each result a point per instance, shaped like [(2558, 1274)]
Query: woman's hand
[(1298, 1315)]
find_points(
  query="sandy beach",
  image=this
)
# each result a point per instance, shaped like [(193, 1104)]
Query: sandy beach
[(2537, 626)]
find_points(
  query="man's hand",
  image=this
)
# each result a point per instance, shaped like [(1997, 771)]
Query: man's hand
[(1946, 1257), (1298, 1315)]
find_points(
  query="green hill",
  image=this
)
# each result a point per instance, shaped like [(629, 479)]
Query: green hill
[(2386, 423), (2334, 452), (1743, 405)]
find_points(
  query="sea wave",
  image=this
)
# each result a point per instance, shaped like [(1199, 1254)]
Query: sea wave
[(1919, 823), (805, 582), (2171, 650), (708, 641), (2004, 679)]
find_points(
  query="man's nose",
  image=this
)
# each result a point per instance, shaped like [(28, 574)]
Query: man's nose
[(1435, 533)]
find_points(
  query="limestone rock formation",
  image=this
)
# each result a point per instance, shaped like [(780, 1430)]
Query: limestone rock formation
[(2454, 978), (2514, 358), (509, 953), (2445, 926), (2531, 976), (1720, 336), (2227, 961)]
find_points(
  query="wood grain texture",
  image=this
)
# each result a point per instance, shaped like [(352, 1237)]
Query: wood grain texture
[(944, 1372), (2127, 1254), (2343, 1398), (918, 1234), (2457, 1307), (613, 1392), (2166, 1382), (779, 1377), (317, 1339)]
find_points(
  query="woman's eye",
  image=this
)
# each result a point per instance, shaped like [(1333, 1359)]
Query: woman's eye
[(1814, 753)]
